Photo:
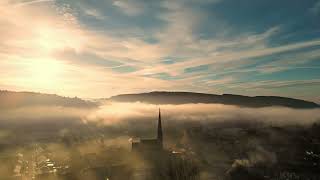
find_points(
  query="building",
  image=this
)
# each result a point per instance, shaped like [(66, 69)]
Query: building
[(150, 145), (155, 162)]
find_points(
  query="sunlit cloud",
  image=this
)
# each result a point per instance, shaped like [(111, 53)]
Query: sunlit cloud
[(129, 7), (111, 47), (30, 2)]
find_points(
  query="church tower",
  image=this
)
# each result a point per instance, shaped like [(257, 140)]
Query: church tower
[(159, 137), (150, 145)]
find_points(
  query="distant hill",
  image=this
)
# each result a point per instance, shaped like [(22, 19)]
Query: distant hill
[(228, 99), (10, 99)]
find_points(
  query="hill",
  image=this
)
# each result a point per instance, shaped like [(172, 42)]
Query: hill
[(11, 99), (228, 99)]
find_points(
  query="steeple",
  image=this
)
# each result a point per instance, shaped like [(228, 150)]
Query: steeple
[(159, 137)]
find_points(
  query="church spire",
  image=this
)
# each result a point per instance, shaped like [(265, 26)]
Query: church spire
[(160, 138)]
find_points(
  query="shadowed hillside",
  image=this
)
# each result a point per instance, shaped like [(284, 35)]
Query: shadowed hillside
[(228, 99), (10, 99)]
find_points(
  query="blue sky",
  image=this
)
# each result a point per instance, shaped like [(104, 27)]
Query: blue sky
[(100, 48)]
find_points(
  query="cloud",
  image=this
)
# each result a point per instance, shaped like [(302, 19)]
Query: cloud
[(135, 49), (48, 36), (129, 7), (225, 57), (95, 13), (316, 8), (287, 88), (222, 81), (289, 61), (72, 56), (30, 2), (280, 84)]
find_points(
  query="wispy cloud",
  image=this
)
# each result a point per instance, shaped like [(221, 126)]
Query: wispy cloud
[(289, 61), (231, 57), (129, 7), (279, 84), (115, 47), (30, 2), (316, 8), (94, 13)]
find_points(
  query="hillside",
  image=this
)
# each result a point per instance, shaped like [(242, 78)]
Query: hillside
[(228, 99), (10, 99)]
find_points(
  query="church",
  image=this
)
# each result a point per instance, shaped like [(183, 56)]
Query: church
[(150, 145)]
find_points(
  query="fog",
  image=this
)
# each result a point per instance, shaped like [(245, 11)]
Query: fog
[(113, 113), (221, 138)]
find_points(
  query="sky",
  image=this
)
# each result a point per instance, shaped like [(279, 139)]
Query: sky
[(100, 48)]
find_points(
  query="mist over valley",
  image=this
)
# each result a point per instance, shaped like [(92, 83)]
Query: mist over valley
[(221, 141)]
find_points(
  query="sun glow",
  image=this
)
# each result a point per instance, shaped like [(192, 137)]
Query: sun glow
[(49, 39), (44, 73)]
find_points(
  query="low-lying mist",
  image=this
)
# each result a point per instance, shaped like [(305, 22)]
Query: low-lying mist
[(222, 138), (113, 113), (136, 120)]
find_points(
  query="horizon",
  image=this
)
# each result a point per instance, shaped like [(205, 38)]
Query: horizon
[(149, 92), (101, 49)]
